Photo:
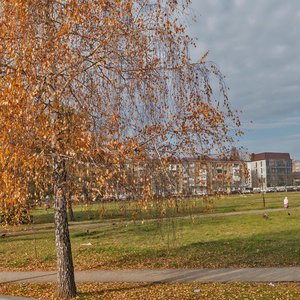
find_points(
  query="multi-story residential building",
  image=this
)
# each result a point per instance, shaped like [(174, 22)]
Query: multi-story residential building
[(270, 169), (227, 175), (178, 177), (194, 176), (200, 176), (296, 172), (248, 179), (296, 166)]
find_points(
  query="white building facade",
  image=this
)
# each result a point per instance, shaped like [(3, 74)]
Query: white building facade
[(270, 169)]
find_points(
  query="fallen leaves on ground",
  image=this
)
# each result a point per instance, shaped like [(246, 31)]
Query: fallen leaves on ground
[(174, 291)]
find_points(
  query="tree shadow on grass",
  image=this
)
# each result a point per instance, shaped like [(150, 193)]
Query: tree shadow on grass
[(22, 238), (261, 250)]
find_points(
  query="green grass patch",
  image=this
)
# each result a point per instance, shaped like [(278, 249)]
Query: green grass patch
[(232, 241), (130, 210)]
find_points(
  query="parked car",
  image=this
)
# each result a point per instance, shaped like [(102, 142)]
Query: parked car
[(247, 191), (281, 189), (291, 188), (271, 190)]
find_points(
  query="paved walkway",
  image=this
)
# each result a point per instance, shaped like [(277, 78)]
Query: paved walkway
[(289, 274)]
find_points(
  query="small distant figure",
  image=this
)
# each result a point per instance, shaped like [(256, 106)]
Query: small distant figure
[(47, 203), (286, 202), (265, 216)]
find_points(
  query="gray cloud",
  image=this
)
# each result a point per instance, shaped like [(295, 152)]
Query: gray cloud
[(256, 45), (282, 123)]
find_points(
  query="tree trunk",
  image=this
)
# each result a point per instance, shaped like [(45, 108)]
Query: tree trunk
[(85, 192), (70, 208), (65, 269)]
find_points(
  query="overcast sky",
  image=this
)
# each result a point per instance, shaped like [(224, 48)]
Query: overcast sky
[(256, 44)]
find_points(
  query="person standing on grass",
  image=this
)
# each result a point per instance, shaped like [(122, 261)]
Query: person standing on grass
[(286, 202)]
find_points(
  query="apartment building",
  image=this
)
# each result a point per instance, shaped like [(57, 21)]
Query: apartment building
[(296, 172), (194, 176), (296, 166), (270, 169), (178, 177), (200, 176), (227, 175)]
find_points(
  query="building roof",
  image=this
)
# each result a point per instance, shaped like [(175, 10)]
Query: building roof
[(269, 155)]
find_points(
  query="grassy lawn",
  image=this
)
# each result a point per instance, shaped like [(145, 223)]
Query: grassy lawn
[(235, 241), (126, 210), (163, 291)]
